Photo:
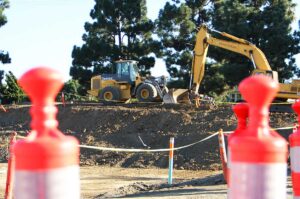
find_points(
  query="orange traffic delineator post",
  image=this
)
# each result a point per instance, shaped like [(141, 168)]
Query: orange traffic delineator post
[(295, 155), (63, 98), (47, 161), (10, 169), (241, 111), (223, 155), (259, 155), (171, 161), (2, 107)]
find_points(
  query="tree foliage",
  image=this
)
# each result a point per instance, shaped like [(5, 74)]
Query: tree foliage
[(120, 30), (4, 56), (3, 5), (177, 27), (73, 90), (11, 91)]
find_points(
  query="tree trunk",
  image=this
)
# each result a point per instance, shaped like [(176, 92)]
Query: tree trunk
[(120, 38)]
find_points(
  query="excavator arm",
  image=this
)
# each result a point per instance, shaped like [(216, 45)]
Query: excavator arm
[(233, 44), (237, 45)]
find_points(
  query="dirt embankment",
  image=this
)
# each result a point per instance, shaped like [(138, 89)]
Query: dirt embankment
[(124, 126)]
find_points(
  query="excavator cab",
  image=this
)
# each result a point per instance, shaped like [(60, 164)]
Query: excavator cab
[(269, 73)]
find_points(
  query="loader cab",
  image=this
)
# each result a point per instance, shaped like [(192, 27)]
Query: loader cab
[(126, 70)]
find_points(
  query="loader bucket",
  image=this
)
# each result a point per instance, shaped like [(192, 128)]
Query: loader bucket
[(175, 96)]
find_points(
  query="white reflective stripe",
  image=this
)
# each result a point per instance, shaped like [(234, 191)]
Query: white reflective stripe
[(295, 159), (62, 183), (228, 159), (253, 181), (228, 171)]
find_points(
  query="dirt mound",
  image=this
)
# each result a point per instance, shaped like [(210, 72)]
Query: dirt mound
[(139, 188), (132, 126)]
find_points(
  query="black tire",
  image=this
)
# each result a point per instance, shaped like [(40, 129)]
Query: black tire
[(110, 95), (146, 93)]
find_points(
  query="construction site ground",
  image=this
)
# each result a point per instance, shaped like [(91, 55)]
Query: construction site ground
[(107, 174)]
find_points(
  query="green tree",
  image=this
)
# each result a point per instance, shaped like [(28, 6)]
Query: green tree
[(4, 56), (177, 27), (267, 24), (214, 81), (120, 30), (73, 90), (12, 92)]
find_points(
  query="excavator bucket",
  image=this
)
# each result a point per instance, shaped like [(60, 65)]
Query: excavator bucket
[(175, 96)]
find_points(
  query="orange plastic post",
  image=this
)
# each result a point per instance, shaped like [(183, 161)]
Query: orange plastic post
[(10, 168), (223, 155), (63, 99), (171, 161), (2, 107)]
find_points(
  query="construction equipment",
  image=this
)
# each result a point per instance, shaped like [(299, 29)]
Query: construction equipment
[(237, 45), (125, 82)]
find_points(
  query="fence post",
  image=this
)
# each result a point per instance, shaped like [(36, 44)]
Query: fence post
[(2, 107), (171, 154), (10, 168), (63, 99), (223, 154)]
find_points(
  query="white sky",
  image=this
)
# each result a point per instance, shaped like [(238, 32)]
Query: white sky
[(43, 33)]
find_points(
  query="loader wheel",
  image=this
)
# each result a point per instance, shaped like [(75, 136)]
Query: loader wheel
[(146, 93), (110, 95)]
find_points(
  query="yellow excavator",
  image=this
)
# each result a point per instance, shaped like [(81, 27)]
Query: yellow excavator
[(237, 45)]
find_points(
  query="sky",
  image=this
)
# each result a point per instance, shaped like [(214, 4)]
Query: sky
[(43, 33)]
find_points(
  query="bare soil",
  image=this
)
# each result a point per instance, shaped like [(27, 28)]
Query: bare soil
[(124, 126), (99, 182)]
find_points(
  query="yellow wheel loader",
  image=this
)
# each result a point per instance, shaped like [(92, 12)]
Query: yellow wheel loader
[(125, 82)]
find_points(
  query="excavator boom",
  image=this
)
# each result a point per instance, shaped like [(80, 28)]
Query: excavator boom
[(237, 45), (234, 44)]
